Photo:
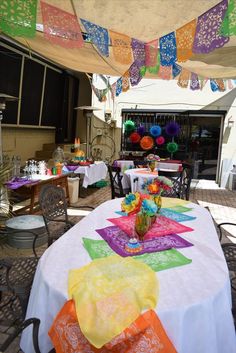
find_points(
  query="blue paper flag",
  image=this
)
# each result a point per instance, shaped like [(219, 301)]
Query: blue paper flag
[(98, 35), (168, 49)]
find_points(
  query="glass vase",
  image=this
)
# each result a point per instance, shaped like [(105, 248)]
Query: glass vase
[(143, 223), (158, 201)]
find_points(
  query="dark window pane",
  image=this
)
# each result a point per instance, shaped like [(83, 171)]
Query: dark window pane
[(53, 98), (10, 68), (31, 92)]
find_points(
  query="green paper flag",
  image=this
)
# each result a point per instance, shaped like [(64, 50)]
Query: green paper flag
[(18, 17), (158, 261), (228, 26)]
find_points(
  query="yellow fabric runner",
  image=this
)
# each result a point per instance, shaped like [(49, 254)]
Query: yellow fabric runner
[(109, 294), (171, 202)]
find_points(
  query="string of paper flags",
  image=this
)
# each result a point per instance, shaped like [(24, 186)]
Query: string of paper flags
[(209, 31)]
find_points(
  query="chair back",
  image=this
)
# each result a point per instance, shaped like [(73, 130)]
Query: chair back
[(186, 178), (53, 202), (140, 163), (177, 191), (116, 181)]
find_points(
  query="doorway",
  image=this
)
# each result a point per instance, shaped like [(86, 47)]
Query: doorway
[(205, 137)]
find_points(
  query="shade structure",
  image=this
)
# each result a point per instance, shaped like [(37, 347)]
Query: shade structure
[(138, 19)]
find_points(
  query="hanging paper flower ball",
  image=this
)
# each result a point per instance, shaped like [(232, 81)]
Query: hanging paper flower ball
[(172, 129), (160, 140), (146, 143), (135, 137), (155, 130), (172, 147), (141, 130), (129, 126)]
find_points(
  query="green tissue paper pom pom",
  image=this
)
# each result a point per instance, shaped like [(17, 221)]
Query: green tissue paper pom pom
[(172, 147), (129, 126)]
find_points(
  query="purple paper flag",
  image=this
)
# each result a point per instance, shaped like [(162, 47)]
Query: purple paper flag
[(134, 73), (138, 48), (194, 83), (117, 239), (207, 36)]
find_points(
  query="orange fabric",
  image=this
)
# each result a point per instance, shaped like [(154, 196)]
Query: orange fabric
[(121, 46), (146, 172), (145, 334), (184, 41)]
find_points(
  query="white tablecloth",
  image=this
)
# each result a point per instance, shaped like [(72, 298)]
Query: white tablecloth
[(134, 179), (195, 301), (92, 173)]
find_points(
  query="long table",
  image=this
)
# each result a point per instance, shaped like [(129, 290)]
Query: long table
[(195, 300), (31, 191)]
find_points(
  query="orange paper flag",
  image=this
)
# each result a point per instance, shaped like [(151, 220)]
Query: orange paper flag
[(184, 41), (121, 46), (145, 334)]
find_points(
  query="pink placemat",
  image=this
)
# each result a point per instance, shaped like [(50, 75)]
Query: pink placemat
[(146, 172), (162, 226)]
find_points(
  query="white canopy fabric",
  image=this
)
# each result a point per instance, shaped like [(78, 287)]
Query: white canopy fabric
[(141, 19)]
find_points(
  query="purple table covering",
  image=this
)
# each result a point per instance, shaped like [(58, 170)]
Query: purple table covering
[(16, 183), (72, 168), (117, 239)]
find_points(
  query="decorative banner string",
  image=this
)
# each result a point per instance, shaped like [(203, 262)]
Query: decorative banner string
[(184, 40), (228, 26), (99, 36), (121, 47), (168, 49)]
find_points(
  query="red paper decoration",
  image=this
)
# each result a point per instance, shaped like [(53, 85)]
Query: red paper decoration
[(160, 140), (135, 137)]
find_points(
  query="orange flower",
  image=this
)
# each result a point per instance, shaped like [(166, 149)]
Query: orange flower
[(153, 188)]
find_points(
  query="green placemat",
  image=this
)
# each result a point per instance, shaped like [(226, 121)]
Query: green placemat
[(180, 209), (158, 261)]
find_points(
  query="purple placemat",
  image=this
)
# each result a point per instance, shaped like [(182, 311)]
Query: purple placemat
[(72, 168), (16, 183), (117, 239), (162, 226)]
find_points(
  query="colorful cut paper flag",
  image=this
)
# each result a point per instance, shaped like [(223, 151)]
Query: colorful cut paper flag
[(118, 86), (98, 35), (184, 78), (176, 70), (214, 85), (158, 261), (125, 82), (221, 84), (117, 239), (162, 226), (121, 46), (134, 73), (184, 40), (151, 53), (207, 37), (146, 332), (180, 209), (168, 49), (138, 48), (61, 27), (18, 17), (228, 26), (194, 83), (165, 72)]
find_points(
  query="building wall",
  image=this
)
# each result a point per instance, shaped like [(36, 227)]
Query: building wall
[(25, 141)]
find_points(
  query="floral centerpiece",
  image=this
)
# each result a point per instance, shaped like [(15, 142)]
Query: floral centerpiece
[(155, 188), (152, 161), (131, 203)]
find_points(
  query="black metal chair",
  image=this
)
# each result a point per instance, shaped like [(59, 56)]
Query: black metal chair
[(53, 204), (10, 339), (224, 232), (52, 201), (178, 190), (17, 274), (140, 163), (186, 178), (116, 177), (229, 250)]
